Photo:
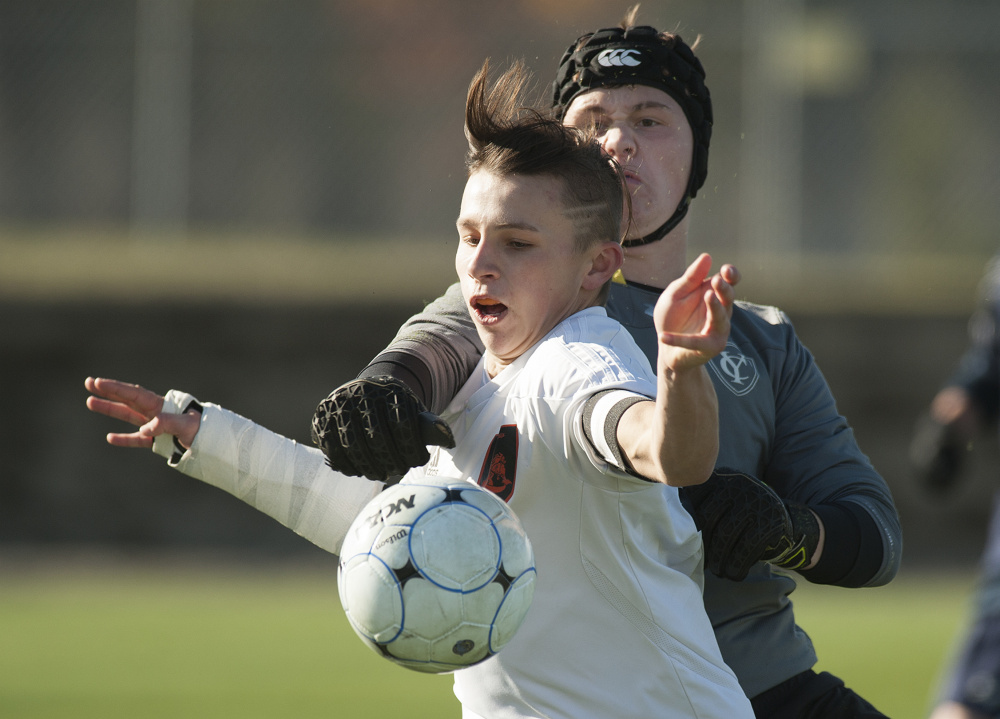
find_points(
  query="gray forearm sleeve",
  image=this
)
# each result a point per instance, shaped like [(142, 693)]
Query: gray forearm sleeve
[(434, 352)]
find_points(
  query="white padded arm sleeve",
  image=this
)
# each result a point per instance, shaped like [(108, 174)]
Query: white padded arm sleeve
[(278, 476)]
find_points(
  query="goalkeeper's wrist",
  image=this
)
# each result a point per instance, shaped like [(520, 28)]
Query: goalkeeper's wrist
[(403, 368), (807, 532)]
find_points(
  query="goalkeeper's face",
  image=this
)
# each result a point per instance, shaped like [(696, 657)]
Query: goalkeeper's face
[(520, 265), (645, 130)]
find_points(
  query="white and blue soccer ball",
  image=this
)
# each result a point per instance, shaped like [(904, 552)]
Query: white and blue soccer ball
[(436, 575)]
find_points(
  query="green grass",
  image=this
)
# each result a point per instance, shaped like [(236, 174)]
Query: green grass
[(889, 643), (176, 641), (201, 643)]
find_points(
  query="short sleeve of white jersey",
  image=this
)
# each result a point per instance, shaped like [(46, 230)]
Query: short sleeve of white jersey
[(604, 373)]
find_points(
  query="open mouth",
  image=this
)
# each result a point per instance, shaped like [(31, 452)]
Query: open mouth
[(486, 310)]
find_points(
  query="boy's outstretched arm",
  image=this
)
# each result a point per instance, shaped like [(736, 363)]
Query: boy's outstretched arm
[(675, 439), (288, 481)]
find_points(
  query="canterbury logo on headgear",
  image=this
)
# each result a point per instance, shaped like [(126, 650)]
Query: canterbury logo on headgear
[(619, 57)]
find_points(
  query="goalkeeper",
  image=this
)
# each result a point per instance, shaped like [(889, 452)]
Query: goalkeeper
[(824, 511)]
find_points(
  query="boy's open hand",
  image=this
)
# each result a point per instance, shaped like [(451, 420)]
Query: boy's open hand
[(693, 314), (141, 407)]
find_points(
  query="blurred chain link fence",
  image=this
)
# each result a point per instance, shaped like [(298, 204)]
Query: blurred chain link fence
[(840, 126)]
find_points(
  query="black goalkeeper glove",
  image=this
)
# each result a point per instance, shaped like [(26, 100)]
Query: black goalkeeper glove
[(743, 521), (376, 427)]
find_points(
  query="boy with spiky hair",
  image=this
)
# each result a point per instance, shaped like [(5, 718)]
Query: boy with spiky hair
[(563, 418)]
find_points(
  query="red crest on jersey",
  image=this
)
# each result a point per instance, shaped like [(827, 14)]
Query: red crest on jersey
[(499, 471)]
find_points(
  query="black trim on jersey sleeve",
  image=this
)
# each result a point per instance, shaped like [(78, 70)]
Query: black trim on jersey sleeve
[(852, 546), (602, 421), (405, 367)]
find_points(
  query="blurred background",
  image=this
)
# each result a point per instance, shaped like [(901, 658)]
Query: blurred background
[(244, 200)]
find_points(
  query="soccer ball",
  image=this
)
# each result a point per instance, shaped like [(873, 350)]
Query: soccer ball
[(436, 574)]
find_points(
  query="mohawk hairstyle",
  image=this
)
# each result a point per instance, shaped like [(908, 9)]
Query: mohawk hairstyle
[(506, 137)]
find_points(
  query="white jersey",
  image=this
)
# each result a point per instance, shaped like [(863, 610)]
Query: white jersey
[(618, 626)]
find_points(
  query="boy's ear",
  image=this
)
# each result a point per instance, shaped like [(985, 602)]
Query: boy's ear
[(607, 258)]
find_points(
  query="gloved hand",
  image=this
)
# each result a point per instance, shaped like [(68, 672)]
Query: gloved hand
[(936, 454), (743, 521), (378, 428)]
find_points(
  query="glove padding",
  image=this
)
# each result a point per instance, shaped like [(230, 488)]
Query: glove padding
[(743, 521), (378, 428), (936, 454)]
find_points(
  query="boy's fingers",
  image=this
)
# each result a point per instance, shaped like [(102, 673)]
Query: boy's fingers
[(718, 315), (724, 289), (162, 424), (135, 396), (129, 440), (697, 271), (116, 410), (730, 274)]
